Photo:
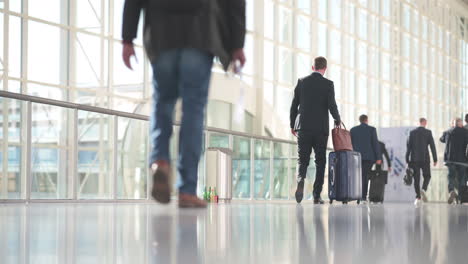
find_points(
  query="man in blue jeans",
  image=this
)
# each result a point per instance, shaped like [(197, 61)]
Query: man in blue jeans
[(181, 38)]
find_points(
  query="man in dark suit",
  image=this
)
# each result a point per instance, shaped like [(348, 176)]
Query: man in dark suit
[(364, 139), (384, 154), (314, 96), (456, 157), (417, 155)]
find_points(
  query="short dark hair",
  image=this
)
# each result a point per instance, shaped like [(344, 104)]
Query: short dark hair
[(466, 118), (422, 119), (363, 118), (320, 63)]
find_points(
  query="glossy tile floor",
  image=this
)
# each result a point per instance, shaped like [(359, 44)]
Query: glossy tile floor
[(233, 233)]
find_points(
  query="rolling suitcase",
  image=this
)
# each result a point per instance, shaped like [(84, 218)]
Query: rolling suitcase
[(344, 176), (378, 179), (463, 195)]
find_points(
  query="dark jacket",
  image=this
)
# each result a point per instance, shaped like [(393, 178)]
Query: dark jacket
[(416, 147), (314, 96), (364, 139), (456, 145), (384, 153), (217, 27)]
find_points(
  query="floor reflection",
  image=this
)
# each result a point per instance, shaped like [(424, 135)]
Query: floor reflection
[(233, 233)]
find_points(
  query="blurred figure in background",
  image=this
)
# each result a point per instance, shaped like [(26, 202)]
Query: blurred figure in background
[(417, 156), (365, 141), (181, 38), (456, 157)]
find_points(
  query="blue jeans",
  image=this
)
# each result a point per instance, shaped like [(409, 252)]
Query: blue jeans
[(183, 73)]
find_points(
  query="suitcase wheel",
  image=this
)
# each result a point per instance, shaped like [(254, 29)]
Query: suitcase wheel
[(331, 201), (345, 202), (358, 201)]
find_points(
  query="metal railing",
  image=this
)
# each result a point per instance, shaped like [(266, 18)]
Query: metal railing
[(242, 160)]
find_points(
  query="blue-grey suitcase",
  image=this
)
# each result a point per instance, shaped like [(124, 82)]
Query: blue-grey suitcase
[(344, 176)]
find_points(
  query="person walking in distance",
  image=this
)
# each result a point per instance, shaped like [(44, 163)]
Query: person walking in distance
[(365, 141), (314, 97), (417, 156), (456, 157), (181, 38)]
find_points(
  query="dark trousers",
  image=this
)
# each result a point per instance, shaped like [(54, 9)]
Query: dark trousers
[(306, 142), (366, 168), (456, 177), (425, 166)]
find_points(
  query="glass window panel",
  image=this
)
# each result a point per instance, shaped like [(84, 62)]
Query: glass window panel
[(280, 170), (322, 41), (269, 60), (415, 51), (363, 3), (406, 45), (406, 16), (322, 9), (386, 8), (335, 46), (15, 114), (217, 114), (362, 86), (249, 52), (283, 103), (15, 6), (262, 169), (424, 55), (351, 52), (219, 141), (241, 168), (303, 66), (304, 5), (424, 78), (88, 66), (385, 66), (335, 12), (362, 57), (56, 70), (94, 155), (405, 101), (415, 23), (14, 86), (132, 159), (351, 17), (335, 76), (286, 65), (424, 30), (373, 61), (51, 132), (250, 10), (14, 171), (405, 78), (285, 25), (88, 16), (14, 47), (374, 95), (50, 10), (269, 19), (303, 33), (268, 92), (385, 97), (362, 24), (350, 87), (45, 91)]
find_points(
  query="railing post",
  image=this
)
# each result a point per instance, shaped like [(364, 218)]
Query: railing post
[(114, 180), (28, 158), (272, 167), (73, 177), (252, 168)]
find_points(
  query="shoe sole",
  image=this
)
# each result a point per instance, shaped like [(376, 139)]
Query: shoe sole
[(161, 189), (424, 197), (451, 199)]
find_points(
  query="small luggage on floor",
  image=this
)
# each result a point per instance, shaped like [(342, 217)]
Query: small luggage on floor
[(463, 195), (344, 176), (378, 179)]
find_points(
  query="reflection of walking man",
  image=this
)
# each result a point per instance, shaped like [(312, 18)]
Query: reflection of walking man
[(181, 38), (417, 155), (456, 157)]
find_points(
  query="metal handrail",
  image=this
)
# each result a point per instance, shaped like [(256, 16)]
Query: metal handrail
[(95, 109)]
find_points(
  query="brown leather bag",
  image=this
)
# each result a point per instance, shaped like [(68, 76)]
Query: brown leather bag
[(341, 138)]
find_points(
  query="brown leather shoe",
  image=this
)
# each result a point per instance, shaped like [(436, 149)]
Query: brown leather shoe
[(190, 201), (161, 191)]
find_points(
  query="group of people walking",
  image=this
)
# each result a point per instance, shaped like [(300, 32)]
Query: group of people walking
[(314, 97)]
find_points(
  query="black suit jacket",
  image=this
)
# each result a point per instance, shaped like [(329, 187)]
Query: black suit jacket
[(416, 147), (456, 145), (384, 153), (314, 96), (365, 141)]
